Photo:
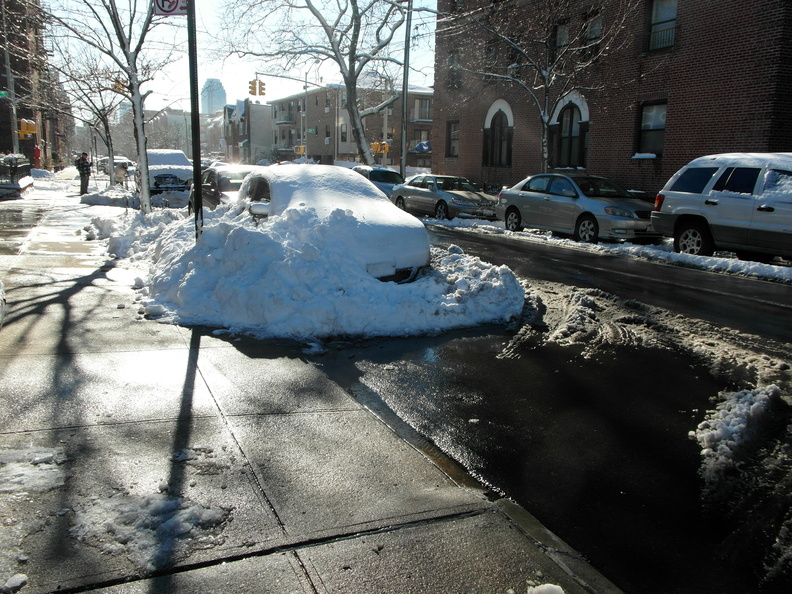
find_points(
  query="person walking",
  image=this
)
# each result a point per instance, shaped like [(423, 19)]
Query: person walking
[(84, 168)]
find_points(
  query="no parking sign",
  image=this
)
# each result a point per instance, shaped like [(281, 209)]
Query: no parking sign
[(170, 7)]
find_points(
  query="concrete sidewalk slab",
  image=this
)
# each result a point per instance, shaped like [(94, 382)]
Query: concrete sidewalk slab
[(344, 471), (100, 503), (478, 553), (49, 391), (263, 382)]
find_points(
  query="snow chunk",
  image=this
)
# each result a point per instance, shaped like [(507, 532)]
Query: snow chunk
[(152, 531)]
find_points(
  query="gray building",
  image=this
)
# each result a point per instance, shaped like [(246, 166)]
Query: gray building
[(213, 96)]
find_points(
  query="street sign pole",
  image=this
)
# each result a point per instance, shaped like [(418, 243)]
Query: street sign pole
[(196, 119)]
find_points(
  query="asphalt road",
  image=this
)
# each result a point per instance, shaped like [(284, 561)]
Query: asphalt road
[(762, 308), (596, 447)]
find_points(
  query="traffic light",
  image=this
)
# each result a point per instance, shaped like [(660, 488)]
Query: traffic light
[(262, 87), (253, 86), (26, 128)]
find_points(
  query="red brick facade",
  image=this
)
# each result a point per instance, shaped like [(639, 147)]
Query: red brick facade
[(725, 82)]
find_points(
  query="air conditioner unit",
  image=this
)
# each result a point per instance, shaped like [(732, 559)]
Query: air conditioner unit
[(327, 140)]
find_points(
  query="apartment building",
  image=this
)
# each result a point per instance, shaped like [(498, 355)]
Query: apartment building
[(660, 83), (317, 124)]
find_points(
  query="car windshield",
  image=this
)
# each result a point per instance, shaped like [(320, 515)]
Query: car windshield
[(231, 181), (450, 184), (599, 187), (385, 176)]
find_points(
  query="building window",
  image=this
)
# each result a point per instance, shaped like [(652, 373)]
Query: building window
[(562, 34), (343, 132), (663, 24), (452, 139), (498, 142), (652, 133), (423, 109), (568, 138)]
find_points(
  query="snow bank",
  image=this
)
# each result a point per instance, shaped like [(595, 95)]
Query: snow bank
[(730, 427), (294, 277)]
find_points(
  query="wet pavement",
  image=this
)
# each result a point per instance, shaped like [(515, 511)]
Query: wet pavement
[(137, 456)]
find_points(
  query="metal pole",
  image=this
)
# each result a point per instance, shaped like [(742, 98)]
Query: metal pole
[(405, 85), (195, 120)]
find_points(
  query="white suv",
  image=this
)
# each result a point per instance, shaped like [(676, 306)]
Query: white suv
[(740, 202)]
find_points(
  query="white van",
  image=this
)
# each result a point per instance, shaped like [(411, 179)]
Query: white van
[(739, 202)]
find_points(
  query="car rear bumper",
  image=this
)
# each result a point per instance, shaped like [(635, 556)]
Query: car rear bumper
[(663, 223)]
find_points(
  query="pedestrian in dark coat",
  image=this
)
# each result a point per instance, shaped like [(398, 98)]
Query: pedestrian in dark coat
[(84, 168)]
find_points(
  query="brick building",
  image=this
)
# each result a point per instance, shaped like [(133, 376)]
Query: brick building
[(325, 128), (673, 80), (29, 89)]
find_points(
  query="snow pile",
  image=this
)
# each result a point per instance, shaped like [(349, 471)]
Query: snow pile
[(730, 427), (152, 531), (292, 276)]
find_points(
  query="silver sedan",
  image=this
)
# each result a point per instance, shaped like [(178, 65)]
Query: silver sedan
[(444, 197), (587, 207)]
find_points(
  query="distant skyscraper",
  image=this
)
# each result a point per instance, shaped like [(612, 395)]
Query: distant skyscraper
[(213, 96)]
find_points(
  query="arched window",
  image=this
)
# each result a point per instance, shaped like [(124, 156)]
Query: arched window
[(498, 142), (568, 138)]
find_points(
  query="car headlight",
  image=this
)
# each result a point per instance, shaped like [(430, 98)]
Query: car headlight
[(617, 211), (462, 202)]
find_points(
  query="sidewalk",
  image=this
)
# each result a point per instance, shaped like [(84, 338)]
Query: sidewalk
[(143, 457)]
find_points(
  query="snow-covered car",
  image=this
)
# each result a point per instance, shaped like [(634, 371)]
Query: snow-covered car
[(169, 171), (444, 197), (382, 177), (390, 243), (220, 184), (741, 202), (587, 207)]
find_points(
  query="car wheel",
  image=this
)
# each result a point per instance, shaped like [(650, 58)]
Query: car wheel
[(513, 220), (587, 229), (693, 238), (400, 202), (441, 210)]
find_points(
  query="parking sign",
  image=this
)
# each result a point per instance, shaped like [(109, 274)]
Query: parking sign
[(170, 7)]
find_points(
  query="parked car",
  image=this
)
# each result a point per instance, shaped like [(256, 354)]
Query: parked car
[(219, 185), (587, 207), (389, 243), (382, 177), (443, 196), (740, 202), (169, 171)]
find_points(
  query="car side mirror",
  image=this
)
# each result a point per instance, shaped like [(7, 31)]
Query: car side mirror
[(259, 210)]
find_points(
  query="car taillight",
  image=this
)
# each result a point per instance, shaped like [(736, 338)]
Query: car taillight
[(659, 202), (500, 194)]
